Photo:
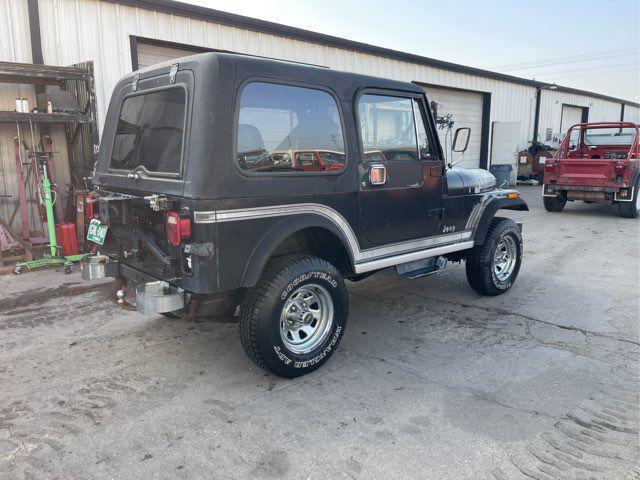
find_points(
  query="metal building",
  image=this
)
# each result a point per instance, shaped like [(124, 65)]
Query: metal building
[(504, 112)]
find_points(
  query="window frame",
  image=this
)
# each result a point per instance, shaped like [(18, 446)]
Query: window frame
[(141, 168), (401, 94), (286, 83)]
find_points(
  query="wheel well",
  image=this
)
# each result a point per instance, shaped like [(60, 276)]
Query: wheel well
[(319, 242)]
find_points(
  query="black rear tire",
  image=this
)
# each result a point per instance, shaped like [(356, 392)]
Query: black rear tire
[(630, 209), (483, 271), (554, 204), (263, 332)]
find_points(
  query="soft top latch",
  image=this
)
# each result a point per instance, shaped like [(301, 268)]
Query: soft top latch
[(173, 72)]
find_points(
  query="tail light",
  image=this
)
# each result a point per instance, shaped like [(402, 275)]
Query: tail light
[(550, 166), (619, 168), (88, 206), (177, 228)]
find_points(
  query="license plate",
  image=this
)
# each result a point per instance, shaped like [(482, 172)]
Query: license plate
[(97, 232)]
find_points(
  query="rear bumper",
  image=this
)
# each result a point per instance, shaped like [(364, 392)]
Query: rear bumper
[(151, 295), (621, 193), (586, 188)]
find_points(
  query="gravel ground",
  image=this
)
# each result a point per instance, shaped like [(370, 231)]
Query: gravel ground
[(431, 381)]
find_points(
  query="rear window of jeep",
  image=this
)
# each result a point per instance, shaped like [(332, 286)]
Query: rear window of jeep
[(150, 132), (285, 128)]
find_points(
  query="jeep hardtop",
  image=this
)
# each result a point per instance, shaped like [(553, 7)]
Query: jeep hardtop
[(227, 180), (596, 162)]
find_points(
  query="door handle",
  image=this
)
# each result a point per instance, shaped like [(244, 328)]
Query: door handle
[(377, 174)]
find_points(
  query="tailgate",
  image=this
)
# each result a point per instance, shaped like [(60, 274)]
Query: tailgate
[(584, 171), (137, 236)]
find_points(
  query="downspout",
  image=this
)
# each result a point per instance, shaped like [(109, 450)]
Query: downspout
[(536, 118), (34, 32), (36, 40)]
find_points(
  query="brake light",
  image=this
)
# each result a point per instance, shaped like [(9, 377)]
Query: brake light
[(619, 168), (177, 228)]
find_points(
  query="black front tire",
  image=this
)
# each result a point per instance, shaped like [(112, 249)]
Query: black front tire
[(261, 314), (630, 209), (480, 263), (554, 204)]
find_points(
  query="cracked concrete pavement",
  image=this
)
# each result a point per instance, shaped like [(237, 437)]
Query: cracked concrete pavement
[(431, 381)]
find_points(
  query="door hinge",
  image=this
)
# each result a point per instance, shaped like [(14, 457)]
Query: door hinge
[(157, 203)]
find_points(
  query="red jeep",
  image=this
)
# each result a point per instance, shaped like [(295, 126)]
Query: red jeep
[(596, 162)]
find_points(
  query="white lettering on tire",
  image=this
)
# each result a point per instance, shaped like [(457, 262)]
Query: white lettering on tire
[(496, 282), (306, 276), (321, 355), (286, 360)]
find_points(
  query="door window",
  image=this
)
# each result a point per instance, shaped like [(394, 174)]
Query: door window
[(392, 128), (285, 128), (423, 138)]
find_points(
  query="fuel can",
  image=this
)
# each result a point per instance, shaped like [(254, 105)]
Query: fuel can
[(66, 238)]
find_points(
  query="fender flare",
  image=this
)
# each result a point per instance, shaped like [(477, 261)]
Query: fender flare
[(278, 233), (490, 210)]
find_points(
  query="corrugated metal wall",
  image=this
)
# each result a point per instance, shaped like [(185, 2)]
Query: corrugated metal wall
[(78, 30), (15, 46), (551, 109), (632, 114)]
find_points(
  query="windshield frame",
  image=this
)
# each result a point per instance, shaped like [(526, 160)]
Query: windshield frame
[(141, 168), (628, 134), (564, 147)]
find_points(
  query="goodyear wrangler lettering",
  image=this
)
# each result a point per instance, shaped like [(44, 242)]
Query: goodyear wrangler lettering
[(306, 276)]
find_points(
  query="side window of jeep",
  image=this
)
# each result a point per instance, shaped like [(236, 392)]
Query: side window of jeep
[(285, 128), (392, 128)]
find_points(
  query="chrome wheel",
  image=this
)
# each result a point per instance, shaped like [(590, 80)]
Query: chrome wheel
[(306, 318), (505, 257), (637, 197)]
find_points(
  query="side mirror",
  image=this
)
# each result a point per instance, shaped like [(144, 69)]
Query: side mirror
[(461, 139)]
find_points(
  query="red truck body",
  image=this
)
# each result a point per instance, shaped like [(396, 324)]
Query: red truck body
[(595, 162)]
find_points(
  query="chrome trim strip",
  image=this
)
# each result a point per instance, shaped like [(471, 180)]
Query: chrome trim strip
[(421, 244), (477, 211), (360, 257), (410, 257), (204, 216), (291, 209)]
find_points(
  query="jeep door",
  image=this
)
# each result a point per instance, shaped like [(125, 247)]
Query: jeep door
[(400, 187)]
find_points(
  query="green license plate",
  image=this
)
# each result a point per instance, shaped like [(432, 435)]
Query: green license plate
[(97, 232)]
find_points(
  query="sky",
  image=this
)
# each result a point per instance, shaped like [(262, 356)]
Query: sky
[(588, 44)]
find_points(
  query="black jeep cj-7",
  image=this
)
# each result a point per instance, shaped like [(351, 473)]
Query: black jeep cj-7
[(224, 177)]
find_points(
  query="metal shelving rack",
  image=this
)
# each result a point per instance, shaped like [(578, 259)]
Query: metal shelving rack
[(81, 129)]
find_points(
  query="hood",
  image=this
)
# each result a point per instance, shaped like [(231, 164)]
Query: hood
[(463, 181)]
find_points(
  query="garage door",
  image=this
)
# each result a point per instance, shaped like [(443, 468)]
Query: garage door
[(570, 116), (631, 114), (466, 111), (151, 54)]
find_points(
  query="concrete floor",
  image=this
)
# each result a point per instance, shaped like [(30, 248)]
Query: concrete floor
[(431, 381)]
